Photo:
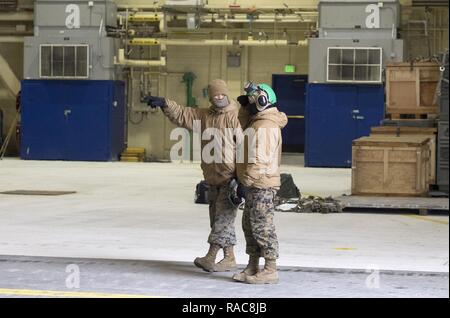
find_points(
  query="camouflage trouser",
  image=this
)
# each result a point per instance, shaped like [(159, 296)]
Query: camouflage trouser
[(257, 222), (222, 214)]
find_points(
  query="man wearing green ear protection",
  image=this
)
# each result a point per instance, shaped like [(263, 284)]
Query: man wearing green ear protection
[(261, 179), (258, 97)]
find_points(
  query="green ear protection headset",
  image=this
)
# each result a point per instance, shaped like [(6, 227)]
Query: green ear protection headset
[(263, 96)]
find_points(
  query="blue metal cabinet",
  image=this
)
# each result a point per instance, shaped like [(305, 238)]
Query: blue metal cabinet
[(335, 116), (72, 120)]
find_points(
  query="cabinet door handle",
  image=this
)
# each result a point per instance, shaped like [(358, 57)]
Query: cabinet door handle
[(67, 112)]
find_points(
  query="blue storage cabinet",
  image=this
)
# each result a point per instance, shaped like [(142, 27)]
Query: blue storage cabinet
[(336, 115), (76, 120)]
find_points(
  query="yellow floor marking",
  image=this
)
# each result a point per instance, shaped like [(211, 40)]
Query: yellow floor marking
[(56, 293), (424, 218), (345, 248)]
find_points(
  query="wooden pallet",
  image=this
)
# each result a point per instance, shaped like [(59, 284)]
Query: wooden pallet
[(385, 204), (412, 113)]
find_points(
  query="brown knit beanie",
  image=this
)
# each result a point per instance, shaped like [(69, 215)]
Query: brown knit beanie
[(217, 87)]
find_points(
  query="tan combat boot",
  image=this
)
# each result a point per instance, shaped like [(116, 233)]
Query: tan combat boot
[(229, 261), (251, 269), (208, 261), (269, 275)]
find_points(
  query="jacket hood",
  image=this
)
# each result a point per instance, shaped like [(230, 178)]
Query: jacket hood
[(274, 115)]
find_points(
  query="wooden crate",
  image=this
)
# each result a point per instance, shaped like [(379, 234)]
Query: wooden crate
[(411, 89), (391, 166), (429, 132)]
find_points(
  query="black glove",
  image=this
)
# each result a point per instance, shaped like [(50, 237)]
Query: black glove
[(233, 193), (241, 191), (154, 101), (243, 100)]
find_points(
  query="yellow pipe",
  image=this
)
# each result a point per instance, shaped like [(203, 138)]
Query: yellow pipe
[(140, 17), (144, 41), (263, 42), (303, 43)]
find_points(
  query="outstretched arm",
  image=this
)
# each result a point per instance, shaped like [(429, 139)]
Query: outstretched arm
[(177, 114)]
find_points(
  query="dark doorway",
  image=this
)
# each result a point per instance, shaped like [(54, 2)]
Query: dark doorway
[(291, 94)]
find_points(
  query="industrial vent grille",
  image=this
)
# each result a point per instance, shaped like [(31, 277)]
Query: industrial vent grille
[(64, 61), (354, 65), (6, 5)]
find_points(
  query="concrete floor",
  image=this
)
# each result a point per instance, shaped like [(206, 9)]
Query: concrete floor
[(145, 211), (44, 277)]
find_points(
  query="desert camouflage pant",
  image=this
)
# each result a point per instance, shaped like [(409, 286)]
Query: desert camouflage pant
[(222, 214), (257, 222)]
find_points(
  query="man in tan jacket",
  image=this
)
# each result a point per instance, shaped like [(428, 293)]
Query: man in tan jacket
[(223, 114), (260, 175)]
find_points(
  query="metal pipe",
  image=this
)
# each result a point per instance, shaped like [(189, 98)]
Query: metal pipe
[(121, 60), (16, 16), (149, 7), (263, 43), (11, 39), (179, 42), (298, 20), (144, 17), (182, 42)]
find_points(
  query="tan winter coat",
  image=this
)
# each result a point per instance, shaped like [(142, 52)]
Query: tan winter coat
[(215, 173), (264, 173)]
